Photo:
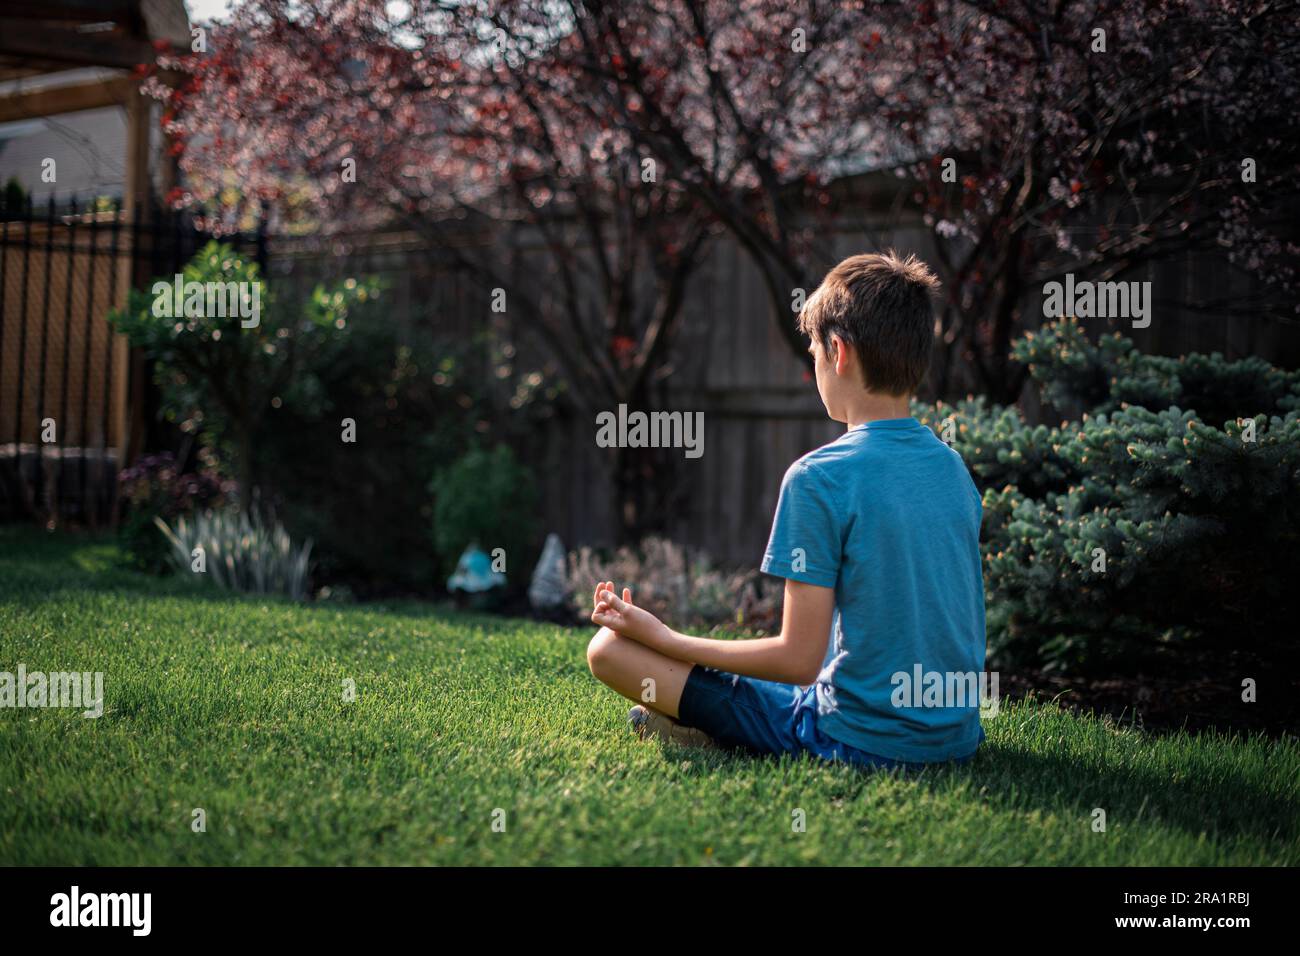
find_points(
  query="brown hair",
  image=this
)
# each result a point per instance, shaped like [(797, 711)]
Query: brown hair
[(881, 305)]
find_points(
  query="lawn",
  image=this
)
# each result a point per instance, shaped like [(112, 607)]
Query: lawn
[(236, 706)]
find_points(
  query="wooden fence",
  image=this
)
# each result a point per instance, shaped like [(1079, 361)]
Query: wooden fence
[(761, 411), (61, 271)]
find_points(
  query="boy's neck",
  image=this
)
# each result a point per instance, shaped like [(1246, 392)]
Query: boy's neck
[(873, 408)]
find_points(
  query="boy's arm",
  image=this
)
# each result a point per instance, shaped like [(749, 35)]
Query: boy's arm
[(793, 657)]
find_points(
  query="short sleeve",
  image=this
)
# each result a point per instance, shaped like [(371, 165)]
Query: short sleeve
[(805, 544)]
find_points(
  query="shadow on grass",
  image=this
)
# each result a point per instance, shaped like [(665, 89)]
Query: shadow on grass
[(1017, 779), (1225, 807)]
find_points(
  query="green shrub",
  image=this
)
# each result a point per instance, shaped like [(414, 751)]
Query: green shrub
[(241, 551), (220, 380), (1070, 372), (366, 503), (998, 447), (486, 498), (271, 401), (1133, 533)]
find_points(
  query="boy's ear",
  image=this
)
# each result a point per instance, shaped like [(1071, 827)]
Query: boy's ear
[(839, 354)]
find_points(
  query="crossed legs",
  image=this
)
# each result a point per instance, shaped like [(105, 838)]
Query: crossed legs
[(637, 672)]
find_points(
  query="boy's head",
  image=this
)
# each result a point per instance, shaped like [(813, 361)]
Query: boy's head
[(872, 327)]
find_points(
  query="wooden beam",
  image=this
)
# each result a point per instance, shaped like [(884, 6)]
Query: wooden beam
[(23, 69), (67, 99), (80, 11), (24, 38), (139, 113)]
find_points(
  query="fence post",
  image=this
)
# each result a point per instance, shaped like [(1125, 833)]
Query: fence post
[(22, 345), (45, 340), (89, 508), (114, 267), (67, 356)]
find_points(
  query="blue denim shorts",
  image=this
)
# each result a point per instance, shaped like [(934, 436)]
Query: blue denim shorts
[(764, 717)]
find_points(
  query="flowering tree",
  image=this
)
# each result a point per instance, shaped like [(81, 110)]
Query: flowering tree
[(1069, 150), (1038, 138), (754, 108), (1099, 137), (461, 124)]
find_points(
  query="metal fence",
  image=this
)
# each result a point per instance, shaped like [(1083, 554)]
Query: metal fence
[(72, 395)]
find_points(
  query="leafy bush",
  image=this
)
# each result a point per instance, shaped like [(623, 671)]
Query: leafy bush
[(220, 380), (486, 498), (242, 551), (271, 401), (366, 503), (154, 488), (1112, 374), (1135, 532), (686, 590)]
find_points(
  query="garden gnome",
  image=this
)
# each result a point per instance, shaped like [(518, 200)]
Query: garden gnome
[(474, 573), (547, 590)]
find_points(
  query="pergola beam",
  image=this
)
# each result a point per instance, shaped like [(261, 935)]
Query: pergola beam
[(22, 38), (80, 11), (66, 99)]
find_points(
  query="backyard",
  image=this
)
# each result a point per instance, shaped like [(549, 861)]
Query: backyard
[(894, 385), (237, 706)]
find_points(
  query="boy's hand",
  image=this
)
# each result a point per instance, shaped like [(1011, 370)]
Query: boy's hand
[(625, 618), (608, 586)]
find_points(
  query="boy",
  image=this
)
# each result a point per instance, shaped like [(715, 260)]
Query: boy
[(877, 537)]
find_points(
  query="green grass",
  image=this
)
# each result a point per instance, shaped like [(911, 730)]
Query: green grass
[(236, 706)]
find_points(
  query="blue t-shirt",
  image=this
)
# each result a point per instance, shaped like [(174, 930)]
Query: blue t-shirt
[(888, 516)]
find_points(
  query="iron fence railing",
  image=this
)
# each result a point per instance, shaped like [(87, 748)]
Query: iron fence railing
[(73, 399)]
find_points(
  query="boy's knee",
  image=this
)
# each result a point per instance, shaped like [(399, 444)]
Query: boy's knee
[(601, 651)]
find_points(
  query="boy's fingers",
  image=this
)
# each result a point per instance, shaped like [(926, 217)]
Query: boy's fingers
[(613, 600), (627, 595)]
